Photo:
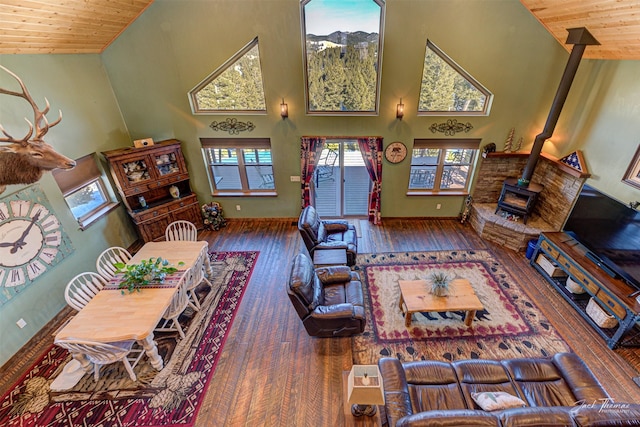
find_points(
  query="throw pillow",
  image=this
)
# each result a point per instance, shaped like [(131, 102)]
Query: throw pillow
[(496, 400)]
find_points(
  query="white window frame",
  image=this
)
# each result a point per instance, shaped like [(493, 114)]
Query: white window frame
[(72, 181), (462, 72), (193, 100), (441, 166), (238, 144)]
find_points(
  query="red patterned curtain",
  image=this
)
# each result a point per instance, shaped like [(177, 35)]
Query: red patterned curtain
[(371, 149), (310, 149)]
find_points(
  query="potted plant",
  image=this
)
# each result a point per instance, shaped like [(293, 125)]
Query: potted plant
[(440, 283), (152, 270)]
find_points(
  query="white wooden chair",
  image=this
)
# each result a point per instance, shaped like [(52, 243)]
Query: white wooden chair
[(107, 259), (196, 277), (105, 353), (185, 230), (169, 321), (181, 230), (82, 288)]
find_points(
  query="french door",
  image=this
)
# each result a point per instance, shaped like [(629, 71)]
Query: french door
[(341, 183)]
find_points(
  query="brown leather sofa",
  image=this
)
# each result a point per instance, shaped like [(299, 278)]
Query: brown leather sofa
[(319, 234), (557, 391), (329, 300)]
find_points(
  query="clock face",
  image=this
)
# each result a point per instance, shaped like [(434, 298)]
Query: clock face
[(31, 240), (395, 152)]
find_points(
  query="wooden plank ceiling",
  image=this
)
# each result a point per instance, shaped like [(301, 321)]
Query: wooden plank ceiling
[(89, 26), (614, 23), (64, 26)]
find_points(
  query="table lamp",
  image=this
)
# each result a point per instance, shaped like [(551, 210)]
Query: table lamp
[(365, 390)]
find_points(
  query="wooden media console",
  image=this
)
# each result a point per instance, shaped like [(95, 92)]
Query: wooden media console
[(614, 295)]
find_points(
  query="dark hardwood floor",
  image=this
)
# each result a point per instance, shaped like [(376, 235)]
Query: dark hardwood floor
[(271, 373)]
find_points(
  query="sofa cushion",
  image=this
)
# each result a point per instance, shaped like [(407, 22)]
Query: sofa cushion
[(540, 382), (494, 401), (433, 385), (476, 376), (557, 416), (450, 418), (579, 378), (607, 415)]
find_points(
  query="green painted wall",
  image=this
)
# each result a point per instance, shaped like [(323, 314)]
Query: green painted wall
[(175, 45), (77, 85), (138, 88), (606, 126)]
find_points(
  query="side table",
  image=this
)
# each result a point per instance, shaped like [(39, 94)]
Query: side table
[(329, 257)]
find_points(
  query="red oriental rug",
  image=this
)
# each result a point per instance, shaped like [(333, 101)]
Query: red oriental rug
[(170, 397), (509, 326)]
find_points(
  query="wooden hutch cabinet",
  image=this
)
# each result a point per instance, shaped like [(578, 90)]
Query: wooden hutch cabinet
[(146, 177)]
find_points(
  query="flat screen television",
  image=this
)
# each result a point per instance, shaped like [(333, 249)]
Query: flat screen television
[(610, 230)]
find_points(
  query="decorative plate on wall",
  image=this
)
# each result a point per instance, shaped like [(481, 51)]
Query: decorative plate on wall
[(32, 240)]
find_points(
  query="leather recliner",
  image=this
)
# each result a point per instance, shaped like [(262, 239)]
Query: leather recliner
[(329, 300), (319, 234)]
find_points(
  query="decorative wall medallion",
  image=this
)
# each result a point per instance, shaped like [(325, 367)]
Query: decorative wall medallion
[(32, 240), (233, 126), (450, 127)]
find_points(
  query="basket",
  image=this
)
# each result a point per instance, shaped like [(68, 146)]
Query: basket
[(573, 287), (598, 315)]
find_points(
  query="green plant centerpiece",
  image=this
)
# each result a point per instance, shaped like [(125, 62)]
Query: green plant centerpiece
[(440, 283), (152, 270)]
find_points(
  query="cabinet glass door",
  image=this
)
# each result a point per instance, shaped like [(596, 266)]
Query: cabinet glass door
[(167, 163), (136, 171)]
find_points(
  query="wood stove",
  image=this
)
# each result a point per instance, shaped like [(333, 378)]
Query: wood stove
[(517, 199)]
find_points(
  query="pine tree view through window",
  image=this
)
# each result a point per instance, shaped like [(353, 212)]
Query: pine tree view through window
[(234, 86), (447, 88), (343, 53)]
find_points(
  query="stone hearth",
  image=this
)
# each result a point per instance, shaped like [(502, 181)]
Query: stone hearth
[(561, 183)]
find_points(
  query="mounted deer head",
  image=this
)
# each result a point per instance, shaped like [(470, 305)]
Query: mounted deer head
[(23, 161)]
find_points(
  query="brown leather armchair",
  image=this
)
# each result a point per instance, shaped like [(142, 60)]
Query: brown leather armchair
[(319, 234), (329, 300)]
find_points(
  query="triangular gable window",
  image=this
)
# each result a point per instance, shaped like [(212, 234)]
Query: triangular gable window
[(446, 88), (235, 86)]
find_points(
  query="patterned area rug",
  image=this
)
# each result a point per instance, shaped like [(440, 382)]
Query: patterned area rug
[(509, 326), (170, 397)]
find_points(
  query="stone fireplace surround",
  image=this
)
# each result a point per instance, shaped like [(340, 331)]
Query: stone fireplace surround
[(562, 185)]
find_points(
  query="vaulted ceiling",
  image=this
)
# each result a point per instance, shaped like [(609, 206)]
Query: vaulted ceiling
[(64, 26), (89, 26)]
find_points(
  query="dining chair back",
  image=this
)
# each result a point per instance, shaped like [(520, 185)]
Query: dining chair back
[(82, 288), (105, 264), (181, 230), (196, 276), (105, 353), (179, 302)]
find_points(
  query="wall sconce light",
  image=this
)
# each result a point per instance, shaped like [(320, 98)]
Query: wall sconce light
[(284, 110), (400, 110)]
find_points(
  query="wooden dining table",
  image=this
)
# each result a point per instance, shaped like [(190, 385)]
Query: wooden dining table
[(113, 316)]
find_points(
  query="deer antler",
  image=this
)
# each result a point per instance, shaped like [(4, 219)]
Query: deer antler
[(39, 116)]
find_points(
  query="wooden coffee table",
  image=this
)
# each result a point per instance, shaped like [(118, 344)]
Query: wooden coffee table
[(415, 296)]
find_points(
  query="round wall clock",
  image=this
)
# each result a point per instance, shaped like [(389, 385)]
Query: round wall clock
[(31, 240), (395, 152)]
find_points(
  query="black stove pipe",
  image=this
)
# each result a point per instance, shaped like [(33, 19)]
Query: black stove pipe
[(580, 38)]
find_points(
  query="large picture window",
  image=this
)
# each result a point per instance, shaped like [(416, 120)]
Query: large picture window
[(343, 52), (239, 165), (446, 88), (439, 165), (235, 86)]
